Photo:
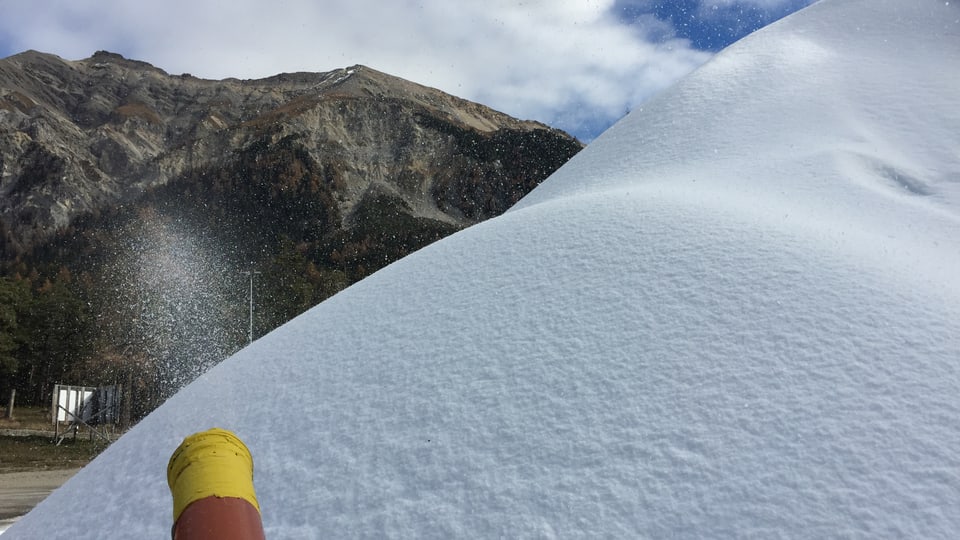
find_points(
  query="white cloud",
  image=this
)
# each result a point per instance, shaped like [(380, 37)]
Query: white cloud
[(536, 59)]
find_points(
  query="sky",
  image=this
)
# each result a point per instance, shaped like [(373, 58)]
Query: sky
[(757, 340), (578, 65)]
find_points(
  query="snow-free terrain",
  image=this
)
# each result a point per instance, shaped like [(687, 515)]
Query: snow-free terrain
[(736, 313)]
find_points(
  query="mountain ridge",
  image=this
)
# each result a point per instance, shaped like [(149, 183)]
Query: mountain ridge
[(113, 127)]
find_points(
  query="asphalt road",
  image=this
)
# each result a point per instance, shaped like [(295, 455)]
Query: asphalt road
[(21, 491)]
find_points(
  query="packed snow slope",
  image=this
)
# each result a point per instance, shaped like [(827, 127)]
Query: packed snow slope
[(737, 313)]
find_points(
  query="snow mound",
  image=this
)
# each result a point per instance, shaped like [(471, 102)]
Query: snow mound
[(736, 313)]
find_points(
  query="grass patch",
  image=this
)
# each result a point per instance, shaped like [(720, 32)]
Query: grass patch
[(39, 453), (29, 417)]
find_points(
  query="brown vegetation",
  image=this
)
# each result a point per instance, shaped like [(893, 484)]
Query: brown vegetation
[(138, 110)]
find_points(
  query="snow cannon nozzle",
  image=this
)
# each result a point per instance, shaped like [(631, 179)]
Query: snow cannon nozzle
[(211, 479)]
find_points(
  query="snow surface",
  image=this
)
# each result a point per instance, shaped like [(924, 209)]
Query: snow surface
[(736, 313)]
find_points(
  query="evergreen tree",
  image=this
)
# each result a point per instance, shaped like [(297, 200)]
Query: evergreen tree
[(14, 298), (56, 324)]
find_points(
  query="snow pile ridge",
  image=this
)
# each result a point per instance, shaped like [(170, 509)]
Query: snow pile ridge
[(808, 87), (735, 314)]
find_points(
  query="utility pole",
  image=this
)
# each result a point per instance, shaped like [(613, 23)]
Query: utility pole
[(251, 273)]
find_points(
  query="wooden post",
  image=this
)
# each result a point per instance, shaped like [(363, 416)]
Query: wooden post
[(54, 405), (13, 398), (126, 400)]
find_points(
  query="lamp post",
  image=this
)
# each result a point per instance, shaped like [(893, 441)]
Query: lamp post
[(251, 273)]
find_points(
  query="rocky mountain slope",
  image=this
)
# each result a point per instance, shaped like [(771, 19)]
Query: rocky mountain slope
[(132, 202), (77, 137)]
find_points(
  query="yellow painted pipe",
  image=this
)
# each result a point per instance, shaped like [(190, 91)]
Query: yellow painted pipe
[(211, 479)]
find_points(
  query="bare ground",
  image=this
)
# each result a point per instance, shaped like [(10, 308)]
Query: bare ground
[(31, 465), (21, 491)]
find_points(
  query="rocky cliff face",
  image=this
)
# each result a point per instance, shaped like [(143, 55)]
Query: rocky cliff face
[(81, 137)]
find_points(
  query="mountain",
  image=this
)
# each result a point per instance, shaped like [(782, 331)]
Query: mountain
[(735, 314), (78, 137), (146, 195)]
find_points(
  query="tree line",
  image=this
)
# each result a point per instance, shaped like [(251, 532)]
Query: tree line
[(99, 304), (44, 327), (78, 311)]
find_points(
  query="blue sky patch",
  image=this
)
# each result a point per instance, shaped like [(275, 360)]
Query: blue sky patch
[(710, 26)]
